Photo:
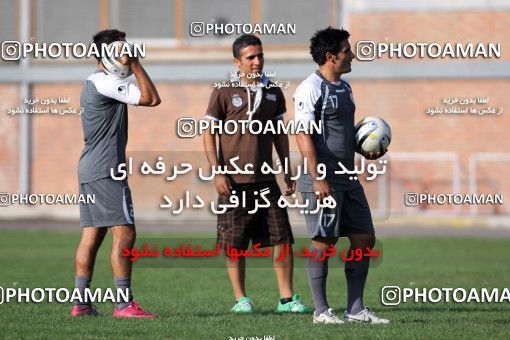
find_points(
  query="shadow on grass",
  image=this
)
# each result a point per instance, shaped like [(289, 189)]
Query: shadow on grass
[(256, 313)]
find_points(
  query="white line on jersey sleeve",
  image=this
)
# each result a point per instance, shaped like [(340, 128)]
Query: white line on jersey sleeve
[(212, 118), (305, 97), (120, 89)]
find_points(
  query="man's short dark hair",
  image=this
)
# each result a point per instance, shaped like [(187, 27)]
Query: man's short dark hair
[(242, 42), (106, 37), (326, 40)]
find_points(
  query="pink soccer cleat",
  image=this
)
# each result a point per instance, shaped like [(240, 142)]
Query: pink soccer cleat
[(89, 310), (133, 311)]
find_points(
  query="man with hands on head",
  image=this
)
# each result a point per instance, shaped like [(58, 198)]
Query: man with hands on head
[(104, 99)]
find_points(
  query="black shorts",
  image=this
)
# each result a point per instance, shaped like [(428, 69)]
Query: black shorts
[(350, 216), (267, 226)]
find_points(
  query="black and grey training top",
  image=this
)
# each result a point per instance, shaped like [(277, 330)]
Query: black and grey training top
[(333, 105)]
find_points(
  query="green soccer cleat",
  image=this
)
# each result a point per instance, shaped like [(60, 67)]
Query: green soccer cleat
[(243, 306), (295, 306)]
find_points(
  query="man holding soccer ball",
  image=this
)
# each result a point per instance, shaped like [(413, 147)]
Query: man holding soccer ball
[(325, 96), (104, 99)]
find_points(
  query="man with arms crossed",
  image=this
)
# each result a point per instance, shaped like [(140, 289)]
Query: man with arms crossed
[(326, 97), (104, 99), (250, 98)]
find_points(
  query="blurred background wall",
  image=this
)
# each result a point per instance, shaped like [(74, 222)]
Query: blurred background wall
[(427, 154)]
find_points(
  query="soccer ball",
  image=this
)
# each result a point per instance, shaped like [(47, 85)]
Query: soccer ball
[(112, 65), (372, 135)]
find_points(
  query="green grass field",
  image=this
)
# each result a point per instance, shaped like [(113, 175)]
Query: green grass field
[(195, 303)]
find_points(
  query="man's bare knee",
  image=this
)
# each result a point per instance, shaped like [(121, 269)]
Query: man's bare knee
[(124, 235), (91, 238)]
